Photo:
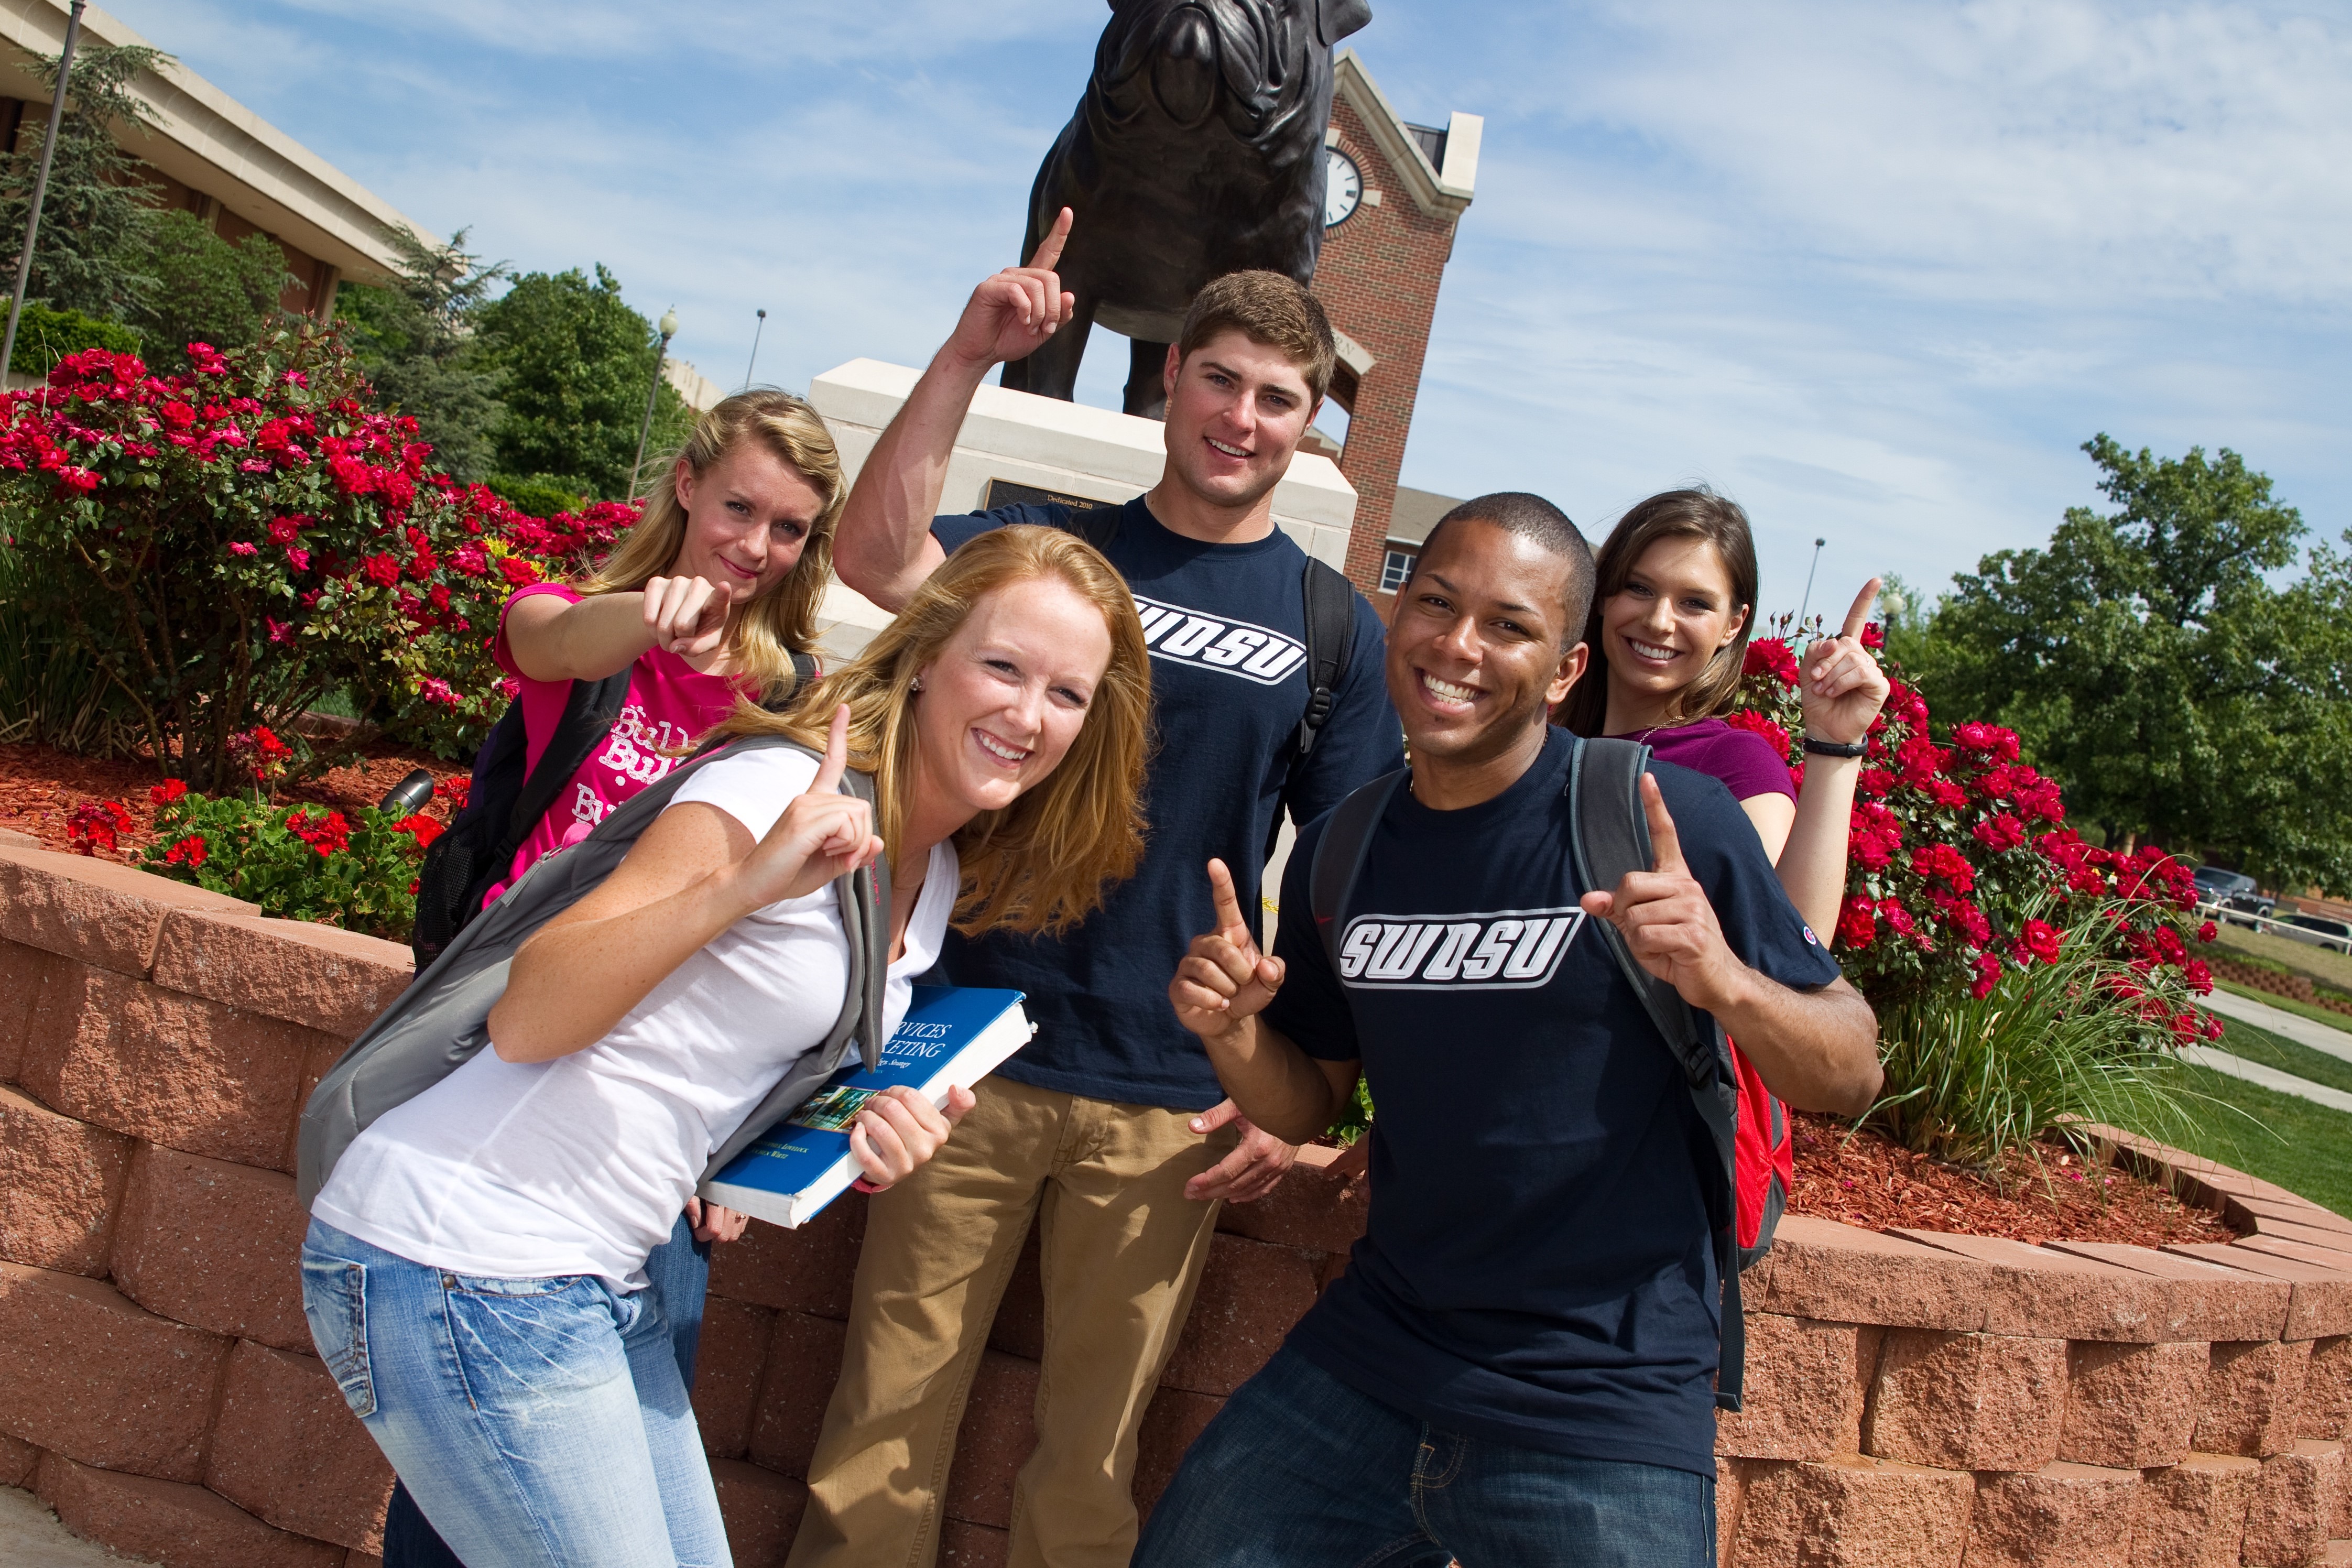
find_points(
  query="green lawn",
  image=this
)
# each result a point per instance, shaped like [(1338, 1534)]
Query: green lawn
[(2302, 1147), (2323, 965), (2334, 1020), (2258, 1045)]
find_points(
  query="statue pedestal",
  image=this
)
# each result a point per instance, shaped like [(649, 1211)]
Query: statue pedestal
[(1015, 447)]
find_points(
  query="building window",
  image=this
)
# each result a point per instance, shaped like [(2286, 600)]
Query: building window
[(1396, 569)]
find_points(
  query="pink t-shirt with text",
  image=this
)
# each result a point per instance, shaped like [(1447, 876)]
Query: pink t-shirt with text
[(670, 705)]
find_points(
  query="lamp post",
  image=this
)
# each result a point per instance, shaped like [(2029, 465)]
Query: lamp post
[(1808, 602), (668, 327), (755, 349), (41, 182)]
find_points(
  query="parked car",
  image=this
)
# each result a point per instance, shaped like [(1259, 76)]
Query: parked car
[(2232, 891), (2320, 931)]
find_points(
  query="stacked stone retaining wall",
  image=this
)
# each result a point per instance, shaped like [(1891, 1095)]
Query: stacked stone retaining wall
[(1913, 1397)]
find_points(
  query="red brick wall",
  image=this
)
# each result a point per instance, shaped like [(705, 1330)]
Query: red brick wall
[(1378, 277), (1911, 1399)]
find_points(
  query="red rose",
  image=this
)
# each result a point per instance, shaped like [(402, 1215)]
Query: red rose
[(518, 571), (1755, 724), (1773, 657), (1999, 833), (2208, 932), (1988, 975), (381, 570), (2038, 940), (1857, 927)]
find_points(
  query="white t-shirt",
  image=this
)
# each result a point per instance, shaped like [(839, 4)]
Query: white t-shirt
[(580, 1165)]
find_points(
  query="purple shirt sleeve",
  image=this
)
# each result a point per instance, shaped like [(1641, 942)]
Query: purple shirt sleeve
[(1741, 759)]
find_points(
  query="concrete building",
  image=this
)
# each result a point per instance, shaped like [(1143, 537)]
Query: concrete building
[(208, 155)]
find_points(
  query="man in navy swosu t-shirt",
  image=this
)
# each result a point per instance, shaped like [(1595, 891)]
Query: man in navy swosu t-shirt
[(1109, 1130), (1517, 1365)]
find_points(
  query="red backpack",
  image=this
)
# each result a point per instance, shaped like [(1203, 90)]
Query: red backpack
[(1764, 1160)]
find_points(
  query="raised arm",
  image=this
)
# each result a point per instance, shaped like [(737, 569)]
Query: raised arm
[(1817, 1050), (695, 873), (883, 546), (1843, 690), (1220, 987), (603, 635)]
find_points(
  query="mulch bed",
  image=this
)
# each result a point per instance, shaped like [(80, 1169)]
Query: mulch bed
[(41, 786), (1864, 1180)]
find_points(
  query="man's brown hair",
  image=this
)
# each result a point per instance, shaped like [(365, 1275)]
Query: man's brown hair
[(1269, 308)]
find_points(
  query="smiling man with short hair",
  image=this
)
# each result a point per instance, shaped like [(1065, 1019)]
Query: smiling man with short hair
[(1518, 1366), (1109, 1130)]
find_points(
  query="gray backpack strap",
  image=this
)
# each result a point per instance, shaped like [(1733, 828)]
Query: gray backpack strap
[(1610, 837), (442, 1020), (1339, 856)]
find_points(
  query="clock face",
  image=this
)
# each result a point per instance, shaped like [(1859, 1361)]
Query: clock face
[(1343, 186)]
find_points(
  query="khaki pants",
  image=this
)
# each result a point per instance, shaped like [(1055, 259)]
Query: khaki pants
[(1122, 1253)]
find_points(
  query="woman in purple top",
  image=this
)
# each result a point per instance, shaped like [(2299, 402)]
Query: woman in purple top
[(1673, 603)]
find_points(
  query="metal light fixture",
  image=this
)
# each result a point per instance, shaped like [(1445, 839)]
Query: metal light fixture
[(667, 326), (1808, 602), (41, 182), (756, 330)]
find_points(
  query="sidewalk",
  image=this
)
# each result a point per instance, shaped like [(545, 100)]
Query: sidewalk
[(31, 1537), (2287, 1025), (2268, 1078)]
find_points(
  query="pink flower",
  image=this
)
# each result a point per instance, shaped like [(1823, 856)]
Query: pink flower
[(298, 559), (1999, 833), (240, 547)]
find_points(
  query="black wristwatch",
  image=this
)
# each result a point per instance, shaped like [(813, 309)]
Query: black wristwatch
[(1834, 749)]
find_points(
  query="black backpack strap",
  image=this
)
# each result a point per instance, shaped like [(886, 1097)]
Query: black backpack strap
[(1330, 637), (1610, 837), (803, 671), (589, 715), (1339, 857)]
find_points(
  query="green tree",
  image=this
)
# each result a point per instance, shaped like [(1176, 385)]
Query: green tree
[(2152, 668), (99, 205), (207, 289), (574, 362), (416, 338)]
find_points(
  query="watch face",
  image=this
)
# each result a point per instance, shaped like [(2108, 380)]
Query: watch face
[(1343, 186)]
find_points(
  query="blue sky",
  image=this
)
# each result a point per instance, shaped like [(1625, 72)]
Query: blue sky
[(1875, 269)]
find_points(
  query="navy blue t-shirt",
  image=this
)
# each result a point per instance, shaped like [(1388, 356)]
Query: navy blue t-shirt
[(1537, 1266), (1227, 625)]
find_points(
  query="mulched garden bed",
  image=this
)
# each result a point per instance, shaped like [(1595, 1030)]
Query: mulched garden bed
[(41, 786), (1864, 1180)]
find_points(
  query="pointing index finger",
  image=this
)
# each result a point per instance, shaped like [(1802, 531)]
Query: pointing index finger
[(1666, 842), (1859, 615), (836, 754), (1049, 250), (1228, 902)]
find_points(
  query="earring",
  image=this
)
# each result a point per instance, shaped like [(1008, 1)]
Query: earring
[(917, 685)]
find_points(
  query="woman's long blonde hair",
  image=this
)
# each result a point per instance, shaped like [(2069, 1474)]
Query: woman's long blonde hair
[(762, 636), (1044, 862)]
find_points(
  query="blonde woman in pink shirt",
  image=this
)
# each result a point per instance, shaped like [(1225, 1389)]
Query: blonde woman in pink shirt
[(706, 598)]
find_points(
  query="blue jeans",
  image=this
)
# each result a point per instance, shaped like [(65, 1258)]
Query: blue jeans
[(680, 1270), (1299, 1471), (539, 1423)]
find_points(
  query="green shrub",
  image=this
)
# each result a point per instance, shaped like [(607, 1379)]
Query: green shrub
[(50, 692), (45, 336), (537, 495), (302, 862)]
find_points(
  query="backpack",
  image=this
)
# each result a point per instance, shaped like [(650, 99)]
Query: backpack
[(442, 1020), (1330, 638), (504, 803), (1610, 836)]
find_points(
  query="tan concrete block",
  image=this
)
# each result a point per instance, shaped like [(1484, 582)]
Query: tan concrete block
[(60, 1186), (805, 1271), (1174, 1418), (2081, 1515), (289, 1450), (2192, 1514), (2251, 1397), (998, 1431), (2036, 1293), (24, 978), (1251, 1294), (762, 1511), (1967, 1402), (2206, 1301), (1804, 1388), (1731, 1492), (729, 1364), (804, 1360), (216, 1244), (321, 977), (2249, 1216), (88, 1373), (2321, 1304), (2131, 1407), (2292, 1505), (2324, 1414), (1852, 1512), (182, 1071), (98, 912), (1836, 1273), (171, 1522)]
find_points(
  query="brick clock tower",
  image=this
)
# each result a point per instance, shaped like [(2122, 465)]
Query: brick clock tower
[(1396, 192)]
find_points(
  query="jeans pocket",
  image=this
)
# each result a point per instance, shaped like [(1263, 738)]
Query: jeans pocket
[(334, 1301)]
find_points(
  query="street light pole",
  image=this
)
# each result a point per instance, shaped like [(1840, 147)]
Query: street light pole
[(1808, 602), (755, 350), (668, 325), (41, 182)]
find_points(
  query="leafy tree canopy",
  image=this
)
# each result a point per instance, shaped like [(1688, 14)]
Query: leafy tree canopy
[(575, 361), (2153, 669), (416, 339), (206, 290), (98, 207)]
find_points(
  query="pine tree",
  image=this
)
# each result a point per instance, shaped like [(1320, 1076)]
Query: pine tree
[(99, 209)]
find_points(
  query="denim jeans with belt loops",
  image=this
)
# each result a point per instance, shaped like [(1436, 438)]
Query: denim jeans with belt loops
[(539, 1423)]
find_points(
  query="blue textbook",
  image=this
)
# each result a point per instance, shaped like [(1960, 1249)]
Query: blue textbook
[(953, 1036)]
